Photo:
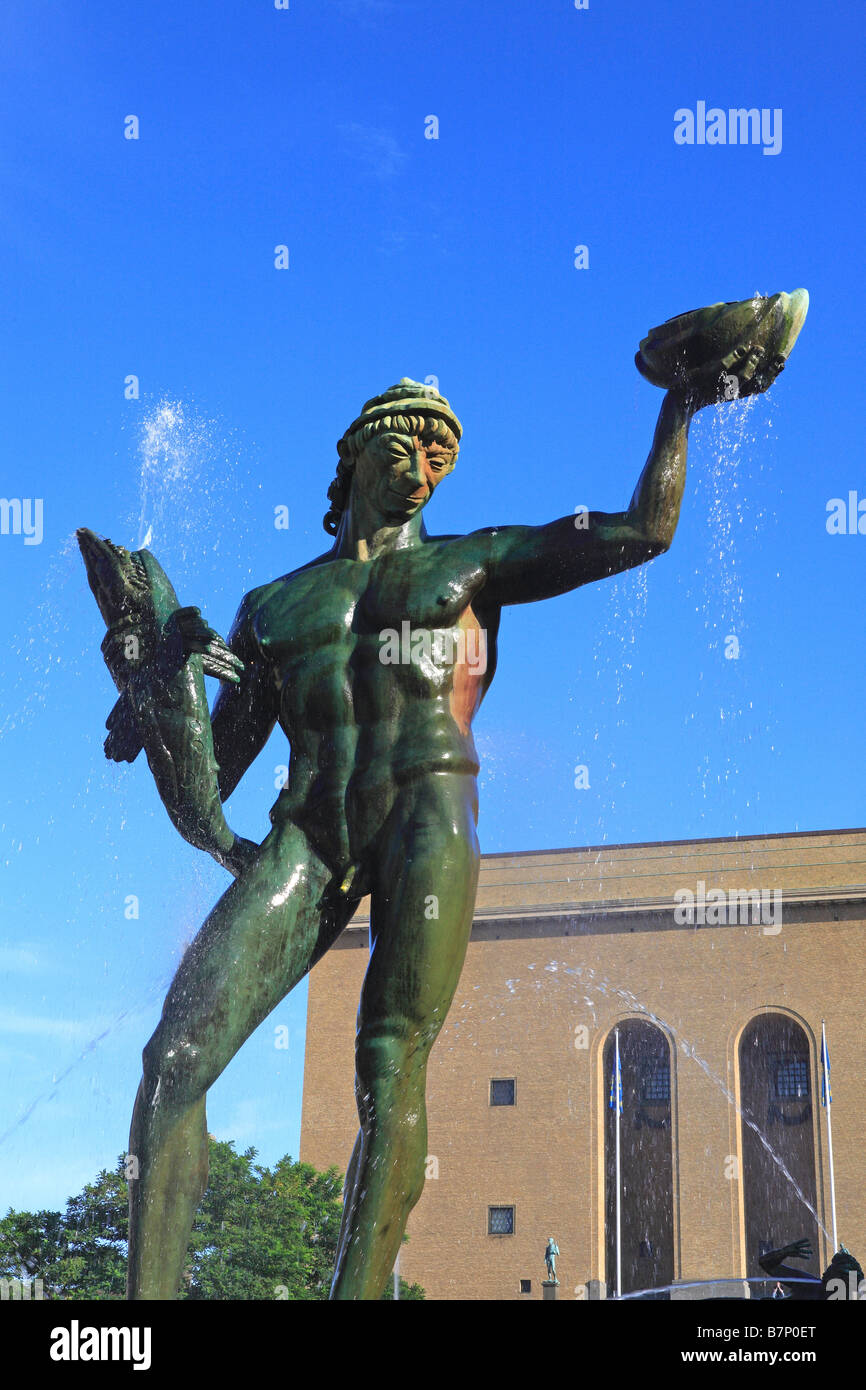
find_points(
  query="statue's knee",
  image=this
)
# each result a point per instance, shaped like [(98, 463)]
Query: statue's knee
[(172, 1070), (415, 1184), (376, 1059), (385, 1062)]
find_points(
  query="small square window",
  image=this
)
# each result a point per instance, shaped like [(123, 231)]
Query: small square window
[(500, 1221), (526, 1286), (792, 1078), (502, 1092), (657, 1083)]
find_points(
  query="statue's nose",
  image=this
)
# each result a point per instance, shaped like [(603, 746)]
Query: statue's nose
[(415, 474), (412, 477)]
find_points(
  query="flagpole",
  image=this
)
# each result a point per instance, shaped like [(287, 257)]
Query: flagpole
[(828, 1105), (618, 1097)]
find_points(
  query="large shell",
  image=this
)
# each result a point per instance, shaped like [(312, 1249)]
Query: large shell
[(705, 342)]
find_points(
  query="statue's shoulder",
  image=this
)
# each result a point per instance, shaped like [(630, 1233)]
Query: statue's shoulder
[(253, 602), (463, 554), (465, 543), (258, 598)]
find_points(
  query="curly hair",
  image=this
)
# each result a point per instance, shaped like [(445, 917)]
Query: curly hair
[(425, 427)]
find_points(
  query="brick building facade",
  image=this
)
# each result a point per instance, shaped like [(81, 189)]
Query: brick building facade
[(717, 961)]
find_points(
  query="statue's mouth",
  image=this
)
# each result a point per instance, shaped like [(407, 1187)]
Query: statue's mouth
[(408, 501)]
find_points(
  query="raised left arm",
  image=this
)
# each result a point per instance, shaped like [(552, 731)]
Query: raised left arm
[(526, 563)]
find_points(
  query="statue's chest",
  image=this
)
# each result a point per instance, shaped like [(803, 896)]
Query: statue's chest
[(342, 604), (424, 590), (310, 614)]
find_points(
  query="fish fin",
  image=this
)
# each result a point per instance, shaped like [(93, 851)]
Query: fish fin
[(123, 744)]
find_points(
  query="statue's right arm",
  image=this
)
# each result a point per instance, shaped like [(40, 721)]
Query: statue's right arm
[(244, 713), (525, 563)]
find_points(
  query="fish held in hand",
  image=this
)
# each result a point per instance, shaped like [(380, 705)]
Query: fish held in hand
[(158, 654)]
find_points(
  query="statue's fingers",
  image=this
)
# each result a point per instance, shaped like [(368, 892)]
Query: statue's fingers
[(206, 640), (190, 624), (220, 657), (199, 639), (216, 644), (203, 641), (220, 652), (223, 670), (219, 673), (759, 372), (216, 666), (229, 677), (188, 620)]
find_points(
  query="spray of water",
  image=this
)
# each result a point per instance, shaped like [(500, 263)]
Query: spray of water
[(194, 494), (626, 600), (155, 992), (726, 462), (193, 501), (726, 480), (173, 446)]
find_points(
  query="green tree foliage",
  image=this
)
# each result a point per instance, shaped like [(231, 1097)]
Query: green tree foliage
[(264, 1233), (259, 1233)]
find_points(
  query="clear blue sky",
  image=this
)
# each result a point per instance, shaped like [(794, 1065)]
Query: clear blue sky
[(408, 256)]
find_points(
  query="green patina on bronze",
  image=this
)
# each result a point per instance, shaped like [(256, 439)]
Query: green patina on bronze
[(381, 796)]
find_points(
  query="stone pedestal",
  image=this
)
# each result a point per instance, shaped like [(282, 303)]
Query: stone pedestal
[(548, 1289)]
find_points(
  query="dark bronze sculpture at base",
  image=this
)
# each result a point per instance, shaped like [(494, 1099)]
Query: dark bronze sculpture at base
[(381, 796), (842, 1280)]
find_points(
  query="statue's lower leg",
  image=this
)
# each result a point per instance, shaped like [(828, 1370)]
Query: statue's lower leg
[(169, 1145), (258, 942), (386, 1175)]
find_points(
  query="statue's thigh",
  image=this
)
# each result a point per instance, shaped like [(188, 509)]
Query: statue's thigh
[(256, 944), (422, 904)]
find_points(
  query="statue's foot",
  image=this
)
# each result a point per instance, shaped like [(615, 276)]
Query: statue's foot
[(725, 351)]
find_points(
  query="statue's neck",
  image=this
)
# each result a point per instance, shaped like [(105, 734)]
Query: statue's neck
[(364, 533)]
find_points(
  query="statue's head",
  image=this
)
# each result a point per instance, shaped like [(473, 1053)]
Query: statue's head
[(843, 1276), (396, 453)]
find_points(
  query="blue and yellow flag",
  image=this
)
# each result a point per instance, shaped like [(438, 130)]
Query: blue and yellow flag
[(615, 1098), (826, 1092)]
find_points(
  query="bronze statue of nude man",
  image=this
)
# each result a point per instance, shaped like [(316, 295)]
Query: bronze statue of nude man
[(381, 799)]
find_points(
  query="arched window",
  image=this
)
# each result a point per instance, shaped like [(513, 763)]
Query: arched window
[(778, 1137), (646, 1158)]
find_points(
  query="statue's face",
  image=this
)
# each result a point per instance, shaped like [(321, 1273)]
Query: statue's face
[(399, 474)]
